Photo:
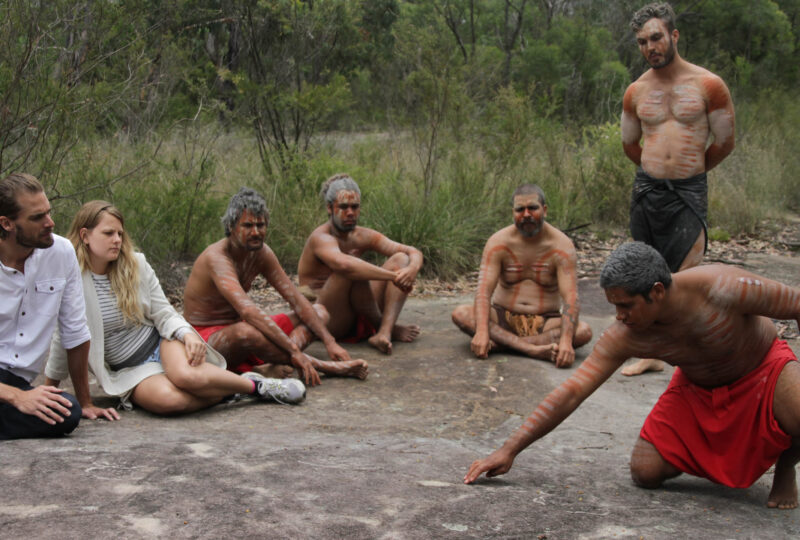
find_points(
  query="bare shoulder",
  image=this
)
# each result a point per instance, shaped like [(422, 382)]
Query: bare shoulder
[(632, 94), (212, 252), (616, 343), (559, 240), (503, 238)]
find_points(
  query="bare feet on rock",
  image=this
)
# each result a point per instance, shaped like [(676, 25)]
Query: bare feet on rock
[(543, 352), (382, 343), (642, 366), (356, 368), (783, 494), (405, 332), (275, 371)]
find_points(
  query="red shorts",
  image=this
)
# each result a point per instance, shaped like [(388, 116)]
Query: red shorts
[(727, 434), (281, 319), (362, 329)]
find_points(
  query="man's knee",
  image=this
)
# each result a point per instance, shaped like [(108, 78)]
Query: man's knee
[(648, 468), (70, 422), (397, 261), (583, 335), (462, 317)]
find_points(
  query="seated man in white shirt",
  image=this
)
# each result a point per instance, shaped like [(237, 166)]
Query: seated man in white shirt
[(40, 284)]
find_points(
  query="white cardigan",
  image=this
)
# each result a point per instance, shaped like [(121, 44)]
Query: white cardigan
[(157, 312)]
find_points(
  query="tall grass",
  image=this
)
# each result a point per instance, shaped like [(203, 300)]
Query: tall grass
[(173, 189)]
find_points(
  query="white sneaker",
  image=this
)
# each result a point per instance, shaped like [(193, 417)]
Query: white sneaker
[(286, 391)]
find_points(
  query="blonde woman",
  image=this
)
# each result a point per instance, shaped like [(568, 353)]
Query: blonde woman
[(142, 350)]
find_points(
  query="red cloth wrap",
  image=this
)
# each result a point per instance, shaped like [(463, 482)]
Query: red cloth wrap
[(281, 319), (727, 434), (362, 329)]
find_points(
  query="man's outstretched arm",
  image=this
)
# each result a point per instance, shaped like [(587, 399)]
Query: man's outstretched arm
[(605, 358)]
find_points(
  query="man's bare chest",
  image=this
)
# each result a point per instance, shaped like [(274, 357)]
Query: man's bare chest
[(682, 103), (539, 271)]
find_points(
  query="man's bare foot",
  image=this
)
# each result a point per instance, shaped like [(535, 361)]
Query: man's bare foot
[(357, 368), (642, 366), (275, 371), (543, 352), (382, 343), (405, 332), (783, 494)]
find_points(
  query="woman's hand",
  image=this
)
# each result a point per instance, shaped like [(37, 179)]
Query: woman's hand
[(195, 349)]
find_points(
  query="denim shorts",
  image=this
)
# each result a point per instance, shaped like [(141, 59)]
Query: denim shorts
[(155, 357)]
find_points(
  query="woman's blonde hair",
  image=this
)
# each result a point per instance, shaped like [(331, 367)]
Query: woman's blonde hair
[(122, 273)]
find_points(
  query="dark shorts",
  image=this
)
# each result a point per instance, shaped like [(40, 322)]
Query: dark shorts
[(727, 434), (669, 214)]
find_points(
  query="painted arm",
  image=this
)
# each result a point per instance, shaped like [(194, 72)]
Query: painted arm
[(326, 248), (607, 355), (491, 265), (721, 121), (631, 127), (755, 295), (405, 276), (276, 276), (566, 262), (223, 274)]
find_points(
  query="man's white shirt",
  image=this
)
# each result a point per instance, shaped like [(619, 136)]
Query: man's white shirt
[(49, 290)]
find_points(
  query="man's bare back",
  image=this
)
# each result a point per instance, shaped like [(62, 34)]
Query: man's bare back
[(527, 271)]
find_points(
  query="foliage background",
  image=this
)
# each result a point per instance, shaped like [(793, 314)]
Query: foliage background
[(439, 108)]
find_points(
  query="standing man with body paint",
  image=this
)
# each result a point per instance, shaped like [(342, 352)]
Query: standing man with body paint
[(669, 114), (216, 302), (364, 299), (40, 284), (535, 308), (732, 408)]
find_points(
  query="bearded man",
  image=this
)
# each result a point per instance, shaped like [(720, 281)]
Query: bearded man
[(669, 114), (534, 265)]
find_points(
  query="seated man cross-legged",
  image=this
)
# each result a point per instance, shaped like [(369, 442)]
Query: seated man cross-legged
[(216, 302), (527, 269), (364, 299)]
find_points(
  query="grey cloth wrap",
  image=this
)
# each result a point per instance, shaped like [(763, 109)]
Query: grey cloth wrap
[(669, 214)]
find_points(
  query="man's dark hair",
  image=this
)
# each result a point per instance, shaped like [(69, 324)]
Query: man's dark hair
[(658, 10), (245, 199), (635, 267), (529, 189), (10, 188)]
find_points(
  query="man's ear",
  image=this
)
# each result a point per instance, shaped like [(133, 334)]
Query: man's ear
[(658, 291), (7, 224), (329, 207), (675, 36)]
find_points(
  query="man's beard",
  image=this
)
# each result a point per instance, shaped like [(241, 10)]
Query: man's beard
[(528, 232), (343, 228), (34, 241), (669, 56)]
